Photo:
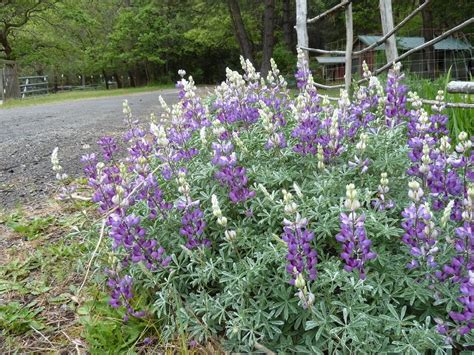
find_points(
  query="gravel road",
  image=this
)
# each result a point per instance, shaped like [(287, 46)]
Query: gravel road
[(28, 135)]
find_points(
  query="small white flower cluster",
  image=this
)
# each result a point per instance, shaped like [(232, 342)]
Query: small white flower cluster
[(344, 100), (181, 73), (444, 145), (366, 72), (425, 159), (267, 121), (274, 76), (57, 168), (320, 157), (468, 210), (230, 234), (361, 146), (464, 143), (160, 133), (415, 192), (250, 73), (447, 213), (440, 105), (334, 130), (183, 186), (351, 202)]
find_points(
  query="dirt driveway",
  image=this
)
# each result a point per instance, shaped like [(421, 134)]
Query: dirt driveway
[(28, 135)]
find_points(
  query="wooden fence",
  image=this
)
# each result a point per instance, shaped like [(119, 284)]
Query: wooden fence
[(389, 31), (33, 85)]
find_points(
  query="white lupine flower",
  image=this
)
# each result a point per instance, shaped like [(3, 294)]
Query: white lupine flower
[(351, 202), (230, 235), (362, 144), (366, 71), (202, 135), (425, 159), (126, 109), (222, 221), (344, 100), (444, 144), (464, 144), (55, 160), (160, 133), (447, 213), (56, 166), (415, 100), (320, 157), (300, 282), (181, 72), (415, 192), (215, 206)]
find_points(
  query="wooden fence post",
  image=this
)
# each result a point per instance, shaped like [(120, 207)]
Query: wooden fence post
[(301, 29), (387, 25), (349, 42)]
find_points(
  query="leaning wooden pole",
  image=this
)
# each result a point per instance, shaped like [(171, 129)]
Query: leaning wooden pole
[(301, 29), (387, 26), (349, 42)]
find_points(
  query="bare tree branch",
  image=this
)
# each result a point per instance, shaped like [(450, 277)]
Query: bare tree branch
[(342, 4)]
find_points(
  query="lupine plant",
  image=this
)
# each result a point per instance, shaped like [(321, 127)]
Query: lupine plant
[(199, 231)]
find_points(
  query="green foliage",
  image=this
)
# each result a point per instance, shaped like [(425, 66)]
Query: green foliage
[(17, 318), (238, 290)]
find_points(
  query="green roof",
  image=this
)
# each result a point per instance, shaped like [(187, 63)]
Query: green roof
[(407, 43)]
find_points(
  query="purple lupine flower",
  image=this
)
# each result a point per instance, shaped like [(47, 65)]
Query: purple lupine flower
[(126, 232), (420, 231), (109, 147), (353, 237), (395, 106), (193, 226), (301, 257), (122, 293)]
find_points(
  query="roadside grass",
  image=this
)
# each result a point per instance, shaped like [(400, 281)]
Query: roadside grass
[(43, 263), (76, 95)]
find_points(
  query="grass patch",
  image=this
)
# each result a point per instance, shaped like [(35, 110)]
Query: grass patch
[(44, 257), (77, 95)]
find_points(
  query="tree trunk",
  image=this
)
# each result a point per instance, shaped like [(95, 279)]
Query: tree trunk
[(287, 29), (428, 52), (7, 49), (132, 79), (386, 16), (239, 30), (301, 29), (268, 37), (117, 79), (106, 80)]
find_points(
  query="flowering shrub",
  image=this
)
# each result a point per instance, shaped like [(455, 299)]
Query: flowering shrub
[(256, 215)]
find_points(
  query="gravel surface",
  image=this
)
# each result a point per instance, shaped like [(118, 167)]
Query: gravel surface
[(28, 135)]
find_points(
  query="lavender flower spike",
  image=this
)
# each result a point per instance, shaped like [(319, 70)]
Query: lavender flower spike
[(355, 244)]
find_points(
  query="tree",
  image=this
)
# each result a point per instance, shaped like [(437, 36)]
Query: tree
[(268, 35), (13, 16), (240, 31)]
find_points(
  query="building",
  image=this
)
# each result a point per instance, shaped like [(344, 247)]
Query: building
[(449, 53)]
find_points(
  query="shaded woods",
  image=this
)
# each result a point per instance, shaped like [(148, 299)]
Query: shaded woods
[(138, 42)]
